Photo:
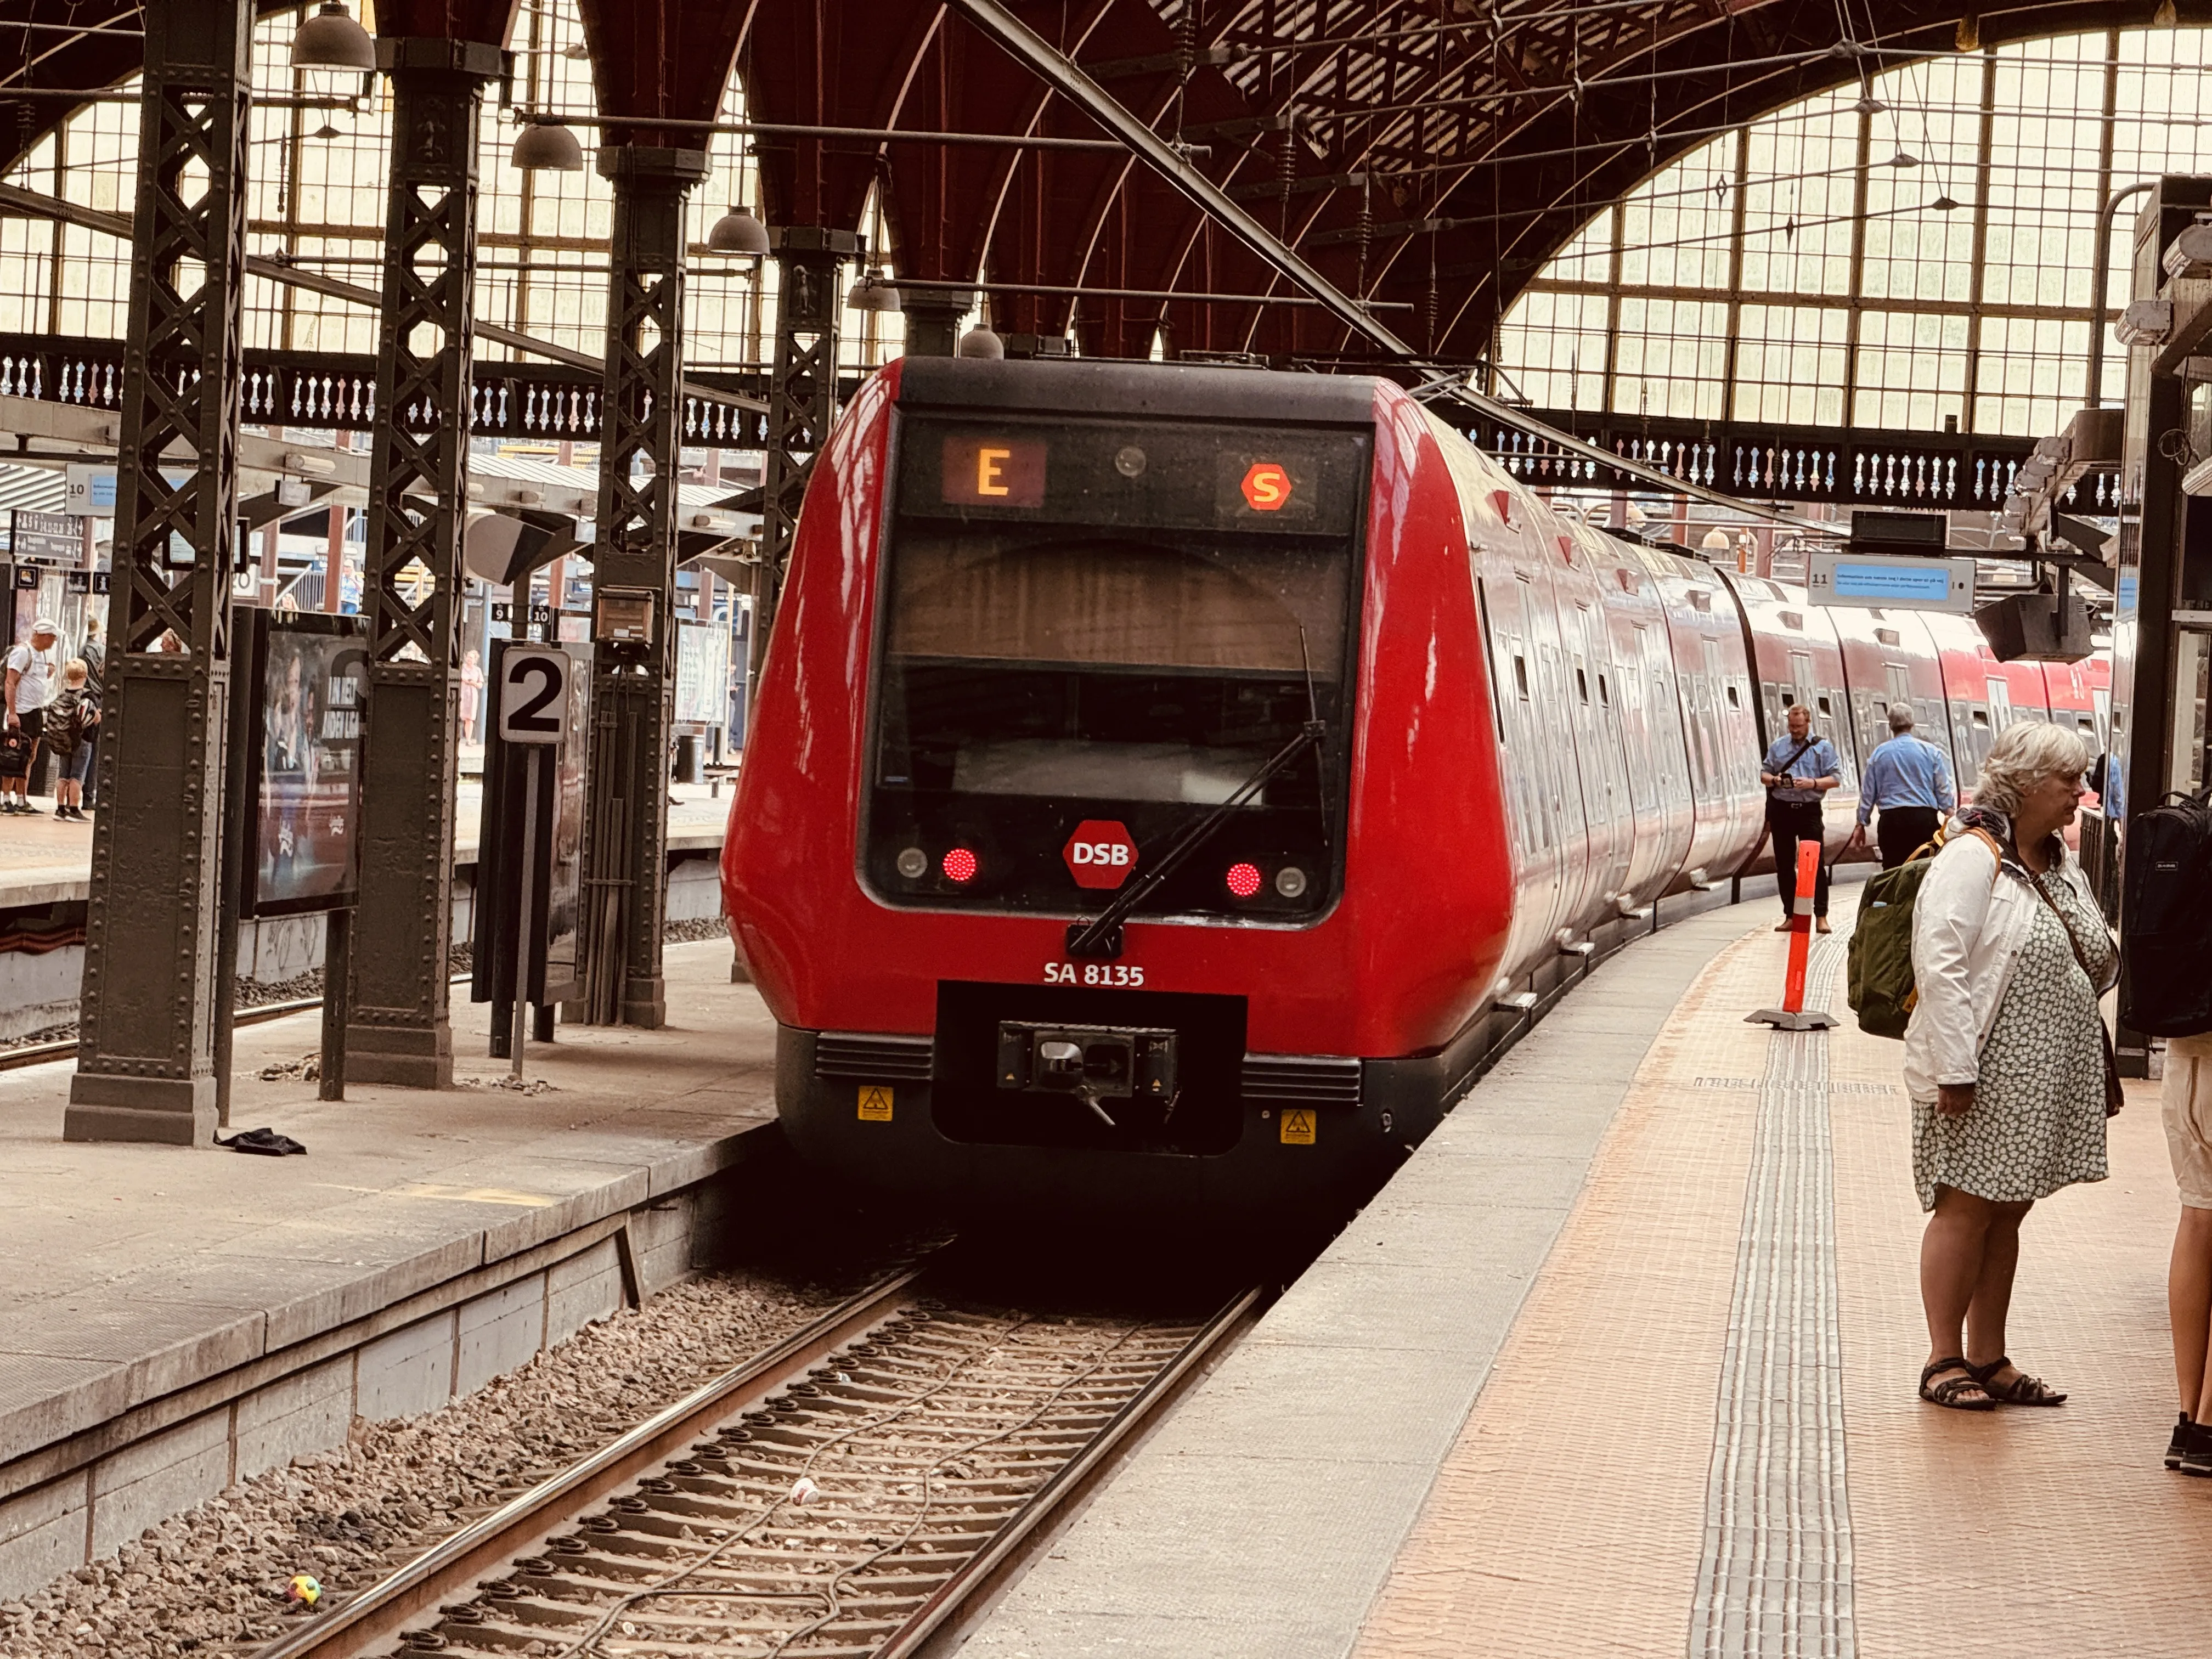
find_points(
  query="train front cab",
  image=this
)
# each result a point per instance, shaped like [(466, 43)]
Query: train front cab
[(965, 687)]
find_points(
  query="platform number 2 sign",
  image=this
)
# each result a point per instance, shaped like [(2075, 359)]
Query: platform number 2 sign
[(533, 691)]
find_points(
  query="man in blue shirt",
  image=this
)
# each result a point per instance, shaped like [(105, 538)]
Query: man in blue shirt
[(1907, 779), (1799, 769)]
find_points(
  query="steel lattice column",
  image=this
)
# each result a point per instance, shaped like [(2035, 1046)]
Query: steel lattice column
[(802, 398), (145, 1061), (625, 860), (398, 1029)]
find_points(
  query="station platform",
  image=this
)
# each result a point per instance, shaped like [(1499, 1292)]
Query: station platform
[(1625, 1362), (45, 881), (44, 860), (175, 1319)]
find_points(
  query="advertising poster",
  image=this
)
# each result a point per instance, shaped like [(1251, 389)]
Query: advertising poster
[(702, 674), (314, 687), (562, 908)]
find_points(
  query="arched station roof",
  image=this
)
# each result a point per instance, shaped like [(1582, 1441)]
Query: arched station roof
[(1428, 153)]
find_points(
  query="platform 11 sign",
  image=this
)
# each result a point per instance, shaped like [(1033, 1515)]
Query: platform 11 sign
[(1892, 583)]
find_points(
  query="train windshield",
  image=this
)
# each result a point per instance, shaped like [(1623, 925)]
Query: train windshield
[(1075, 669)]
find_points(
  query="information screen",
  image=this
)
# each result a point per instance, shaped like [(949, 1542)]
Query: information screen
[(1903, 584)]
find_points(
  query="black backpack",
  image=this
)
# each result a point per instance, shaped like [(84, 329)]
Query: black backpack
[(2166, 919)]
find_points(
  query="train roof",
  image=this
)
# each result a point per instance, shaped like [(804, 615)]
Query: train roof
[(1176, 391)]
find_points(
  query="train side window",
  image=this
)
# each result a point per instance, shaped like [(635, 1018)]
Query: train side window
[(1606, 699), (1827, 713), (1582, 682), (1733, 701), (1982, 719), (1521, 675)]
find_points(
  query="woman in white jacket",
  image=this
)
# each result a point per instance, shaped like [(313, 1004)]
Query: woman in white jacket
[(2006, 1058)]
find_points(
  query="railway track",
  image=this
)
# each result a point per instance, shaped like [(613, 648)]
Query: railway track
[(38, 1054), (841, 1497)]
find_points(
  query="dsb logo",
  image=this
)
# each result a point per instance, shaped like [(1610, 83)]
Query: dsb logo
[(1100, 853)]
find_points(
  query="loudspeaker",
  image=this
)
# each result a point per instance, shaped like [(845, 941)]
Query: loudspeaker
[(2029, 628)]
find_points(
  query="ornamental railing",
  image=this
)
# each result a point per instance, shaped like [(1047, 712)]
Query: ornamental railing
[(337, 391), (1851, 467)]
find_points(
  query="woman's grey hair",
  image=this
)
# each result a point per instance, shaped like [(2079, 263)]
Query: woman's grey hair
[(2024, 752)]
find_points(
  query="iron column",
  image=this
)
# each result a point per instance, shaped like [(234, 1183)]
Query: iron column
[(145, 1058), (633, 585), (802, 397), (397, 1028)]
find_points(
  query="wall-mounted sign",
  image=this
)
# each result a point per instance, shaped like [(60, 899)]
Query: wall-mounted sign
[(1892, 583), (57, 537)]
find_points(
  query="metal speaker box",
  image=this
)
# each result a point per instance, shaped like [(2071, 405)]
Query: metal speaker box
[(2032, 628)]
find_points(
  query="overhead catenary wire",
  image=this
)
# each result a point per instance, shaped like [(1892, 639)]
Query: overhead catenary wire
[(1058, 71)]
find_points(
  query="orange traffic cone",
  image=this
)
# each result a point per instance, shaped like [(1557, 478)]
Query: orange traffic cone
[(1792, 1015)]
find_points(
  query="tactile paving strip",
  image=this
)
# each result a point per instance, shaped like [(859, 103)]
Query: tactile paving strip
[(1775, 1578)]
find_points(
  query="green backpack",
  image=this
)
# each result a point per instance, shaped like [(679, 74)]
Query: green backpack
[(1880, 956)]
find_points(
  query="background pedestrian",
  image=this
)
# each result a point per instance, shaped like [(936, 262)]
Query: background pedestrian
[(1799, 769), (71, 729), (1907, 779), (29, 687)]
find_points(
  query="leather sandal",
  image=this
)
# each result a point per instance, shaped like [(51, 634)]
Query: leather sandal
[(2022, 1391), (1948, 1393)]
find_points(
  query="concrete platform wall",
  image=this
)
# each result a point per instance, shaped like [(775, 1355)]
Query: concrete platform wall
[(64, 1505)]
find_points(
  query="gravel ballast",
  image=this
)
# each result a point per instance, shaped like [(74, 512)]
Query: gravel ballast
[(212, 1581)]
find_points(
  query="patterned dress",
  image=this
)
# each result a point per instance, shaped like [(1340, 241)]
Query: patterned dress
[(2038, 1120)]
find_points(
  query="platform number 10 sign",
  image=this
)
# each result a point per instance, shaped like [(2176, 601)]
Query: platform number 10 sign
[(533, 693)]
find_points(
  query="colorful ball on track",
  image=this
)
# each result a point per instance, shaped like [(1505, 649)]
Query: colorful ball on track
[(303, 1588)]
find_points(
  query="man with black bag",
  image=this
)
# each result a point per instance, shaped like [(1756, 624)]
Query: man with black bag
[(1798, 770)]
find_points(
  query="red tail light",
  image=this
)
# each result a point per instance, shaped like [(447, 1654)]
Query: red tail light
[(959, 865), (1243, 880)]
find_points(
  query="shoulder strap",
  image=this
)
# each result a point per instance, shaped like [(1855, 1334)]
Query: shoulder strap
[(2064, 926)]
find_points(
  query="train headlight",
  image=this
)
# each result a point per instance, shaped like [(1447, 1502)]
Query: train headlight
[(1291, 881), (1243, 880), (959, 866), (913, 863)]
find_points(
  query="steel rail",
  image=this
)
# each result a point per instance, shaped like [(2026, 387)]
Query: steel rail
[(38, 1054), (986, 1565), (455, 1563), (379, 1611), (1058, 71)]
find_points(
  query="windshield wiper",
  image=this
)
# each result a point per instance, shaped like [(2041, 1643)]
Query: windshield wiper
[(1102, 935)]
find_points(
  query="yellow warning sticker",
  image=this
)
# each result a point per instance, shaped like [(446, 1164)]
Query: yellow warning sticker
[(875, 1103), (1297, 1129)]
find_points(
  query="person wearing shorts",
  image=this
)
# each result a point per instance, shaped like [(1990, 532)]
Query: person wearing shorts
[(29, 687), (2185, 1102)]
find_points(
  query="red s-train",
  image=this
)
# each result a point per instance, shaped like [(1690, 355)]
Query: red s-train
[(1376, 751)]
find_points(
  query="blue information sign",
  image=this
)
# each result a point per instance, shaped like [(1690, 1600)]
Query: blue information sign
[(1903, 584)]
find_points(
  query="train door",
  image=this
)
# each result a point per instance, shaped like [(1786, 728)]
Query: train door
[(1532, 805), (2000, 699), (1799, 688), (1561, 715), (1652, 668), (1605, 765)]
